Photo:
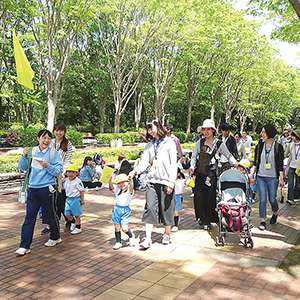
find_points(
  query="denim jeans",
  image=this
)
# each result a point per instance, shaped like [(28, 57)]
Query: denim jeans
[(267, 189), (293, 184), (36, 199)]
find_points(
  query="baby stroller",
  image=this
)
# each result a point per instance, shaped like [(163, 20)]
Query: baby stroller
[(234, 207)]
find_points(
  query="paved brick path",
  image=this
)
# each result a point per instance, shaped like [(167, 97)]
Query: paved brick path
[(86, 267)]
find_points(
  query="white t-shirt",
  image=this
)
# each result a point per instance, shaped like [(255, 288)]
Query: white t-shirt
[(179, 186), (122, 198), (73, 187)]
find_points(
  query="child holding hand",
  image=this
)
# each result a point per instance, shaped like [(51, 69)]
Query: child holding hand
[(123, 190)]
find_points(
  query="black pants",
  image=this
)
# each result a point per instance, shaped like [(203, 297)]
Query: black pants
[(91, 185), (60, 204), (205, 199)]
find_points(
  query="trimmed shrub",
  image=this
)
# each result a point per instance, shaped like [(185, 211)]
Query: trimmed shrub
[(75, 137), (126, 137)]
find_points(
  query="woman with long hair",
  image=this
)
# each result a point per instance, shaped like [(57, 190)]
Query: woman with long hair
[(204, 165), (160, 159), (65, 148)]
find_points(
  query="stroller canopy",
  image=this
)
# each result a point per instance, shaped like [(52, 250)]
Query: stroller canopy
[(234, 178)]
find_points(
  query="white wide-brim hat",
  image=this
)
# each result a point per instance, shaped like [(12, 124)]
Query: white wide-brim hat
[(209, 123)]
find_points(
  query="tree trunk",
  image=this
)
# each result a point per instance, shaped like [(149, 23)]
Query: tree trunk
[(243, 119), (159, 107), (296, 6), (228, 116), (138, 110), (212, 110), (117, 121), (51, 111)]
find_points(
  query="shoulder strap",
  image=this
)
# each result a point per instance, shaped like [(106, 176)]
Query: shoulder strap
[(28, 171), (202, 141)]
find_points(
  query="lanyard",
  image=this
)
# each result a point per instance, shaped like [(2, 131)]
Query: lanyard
[(297, 152), (156, 144), (267, 152)]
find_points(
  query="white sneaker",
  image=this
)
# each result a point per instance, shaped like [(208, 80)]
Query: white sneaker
[(296, 200), (132, 241), (117, 246), (174, 229), (73, 226), (146, 244), (166, 239), (52, 243), (76, 231), (22, 251)]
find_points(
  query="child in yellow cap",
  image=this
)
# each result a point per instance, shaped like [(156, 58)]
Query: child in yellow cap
[(123, 190), (75, 199)]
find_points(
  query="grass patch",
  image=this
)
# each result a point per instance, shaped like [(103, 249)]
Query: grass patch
[(9, 162)]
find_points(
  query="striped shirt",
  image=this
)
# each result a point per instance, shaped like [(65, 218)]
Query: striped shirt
[(66, 156)]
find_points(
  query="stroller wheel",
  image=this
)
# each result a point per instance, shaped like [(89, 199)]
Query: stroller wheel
[(248, 243), (220, 241)]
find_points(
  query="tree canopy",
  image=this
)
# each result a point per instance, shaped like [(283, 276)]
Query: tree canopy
[(112, 65)]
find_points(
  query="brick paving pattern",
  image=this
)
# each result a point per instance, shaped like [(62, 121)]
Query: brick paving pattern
[(86, 267)]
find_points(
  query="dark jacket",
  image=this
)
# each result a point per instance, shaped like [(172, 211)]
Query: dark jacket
[(231, 145), (279, 156)]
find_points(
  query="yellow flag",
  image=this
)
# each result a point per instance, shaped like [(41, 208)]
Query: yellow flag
[(24, 71)]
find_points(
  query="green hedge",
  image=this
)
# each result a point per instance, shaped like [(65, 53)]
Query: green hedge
[(20, 136), (127, 137), (9, 162), (75, 137), (184, 137), (133, 137)]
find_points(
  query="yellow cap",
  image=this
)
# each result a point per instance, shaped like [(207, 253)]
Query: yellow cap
[(72, 168), (120, 178), (245, 163)]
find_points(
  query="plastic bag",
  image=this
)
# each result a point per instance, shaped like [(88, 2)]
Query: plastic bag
[(190, 182)]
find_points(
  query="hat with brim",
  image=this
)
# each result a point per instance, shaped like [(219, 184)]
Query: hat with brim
[(245, 163), (208, 123), (72, 168), (120, 178), (296, 132)]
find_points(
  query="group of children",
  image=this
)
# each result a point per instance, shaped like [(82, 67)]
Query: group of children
[(123, 188)]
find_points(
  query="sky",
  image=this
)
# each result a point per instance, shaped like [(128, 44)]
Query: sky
[(290, 53)]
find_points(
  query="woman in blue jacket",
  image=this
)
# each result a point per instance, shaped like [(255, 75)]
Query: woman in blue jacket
[(43, 164)]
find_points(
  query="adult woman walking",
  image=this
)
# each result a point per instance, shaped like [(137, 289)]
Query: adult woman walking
[(43, 164), (65, 148), (160, 158), (268, 160), (204, 165)]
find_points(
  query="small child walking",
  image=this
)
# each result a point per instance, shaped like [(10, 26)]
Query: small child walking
[(75, 199), (179, 188), (123, 189)]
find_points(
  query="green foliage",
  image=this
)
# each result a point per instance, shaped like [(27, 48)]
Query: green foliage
[(27, 136), (127, 137), (184, 137), (75, 137)]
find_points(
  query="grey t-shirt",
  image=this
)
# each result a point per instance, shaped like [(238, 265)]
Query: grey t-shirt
[(267, 157)]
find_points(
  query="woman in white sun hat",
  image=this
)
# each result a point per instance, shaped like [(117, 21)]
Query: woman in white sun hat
[(204, 165)]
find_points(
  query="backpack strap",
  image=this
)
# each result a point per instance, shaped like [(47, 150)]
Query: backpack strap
[(28, 170)]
